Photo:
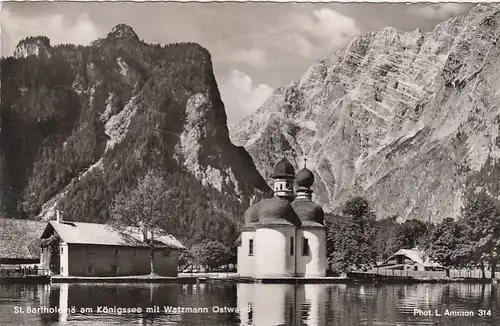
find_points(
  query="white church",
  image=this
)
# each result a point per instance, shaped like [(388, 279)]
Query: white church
[(284, 236)]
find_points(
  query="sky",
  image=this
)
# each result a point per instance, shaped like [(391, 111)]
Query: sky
[(255, 47)]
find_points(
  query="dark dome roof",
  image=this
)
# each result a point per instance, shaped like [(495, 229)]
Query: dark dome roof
[(271, 211), (283, 169), (305, 178), (277, 211), (309, 212), (251, 214)]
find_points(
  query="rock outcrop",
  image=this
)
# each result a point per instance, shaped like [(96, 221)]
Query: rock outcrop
[(399, 117), (38, 45)]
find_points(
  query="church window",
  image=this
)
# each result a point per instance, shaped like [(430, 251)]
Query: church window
[(305, 247), (250, 248), (292, 246)]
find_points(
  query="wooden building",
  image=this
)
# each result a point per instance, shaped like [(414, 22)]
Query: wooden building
[(412, 260), (90, 249)]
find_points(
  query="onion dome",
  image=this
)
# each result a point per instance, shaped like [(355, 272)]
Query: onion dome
[(251, 214), (251, 217), (277, 211), (310, 213), (304, 178), (284, 169)]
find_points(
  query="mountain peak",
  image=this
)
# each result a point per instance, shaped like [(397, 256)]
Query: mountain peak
[(122, 31), (40, 40), (387, 110), (33, 45)]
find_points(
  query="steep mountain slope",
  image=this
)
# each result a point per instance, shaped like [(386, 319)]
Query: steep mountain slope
[(80, 124), (399, 117)]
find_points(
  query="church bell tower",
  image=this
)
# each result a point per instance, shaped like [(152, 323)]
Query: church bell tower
[(284, 175)]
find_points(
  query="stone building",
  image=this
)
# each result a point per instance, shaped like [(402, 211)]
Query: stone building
[(284, 236), (90, 249)]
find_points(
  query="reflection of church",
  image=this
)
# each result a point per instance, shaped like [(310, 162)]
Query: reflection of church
[(284, 236), (282, 304)]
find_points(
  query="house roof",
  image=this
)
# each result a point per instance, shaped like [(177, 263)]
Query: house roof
[(103, 234), (20, 238), (417, 256)]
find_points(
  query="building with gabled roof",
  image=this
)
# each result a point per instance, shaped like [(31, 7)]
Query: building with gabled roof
[(91, 249), (410, 259)]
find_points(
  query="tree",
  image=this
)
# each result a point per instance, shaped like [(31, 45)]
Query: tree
[(147, 207), (212, 254), (393, 236), (481, 215), (445, 241), (350, 241), (413, 231), (481, 219), (384, 240)]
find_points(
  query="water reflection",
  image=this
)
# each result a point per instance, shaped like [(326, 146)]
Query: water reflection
[(249, 304), (282, 304)]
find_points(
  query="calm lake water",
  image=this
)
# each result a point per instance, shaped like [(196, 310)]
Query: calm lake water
[(225, 303)]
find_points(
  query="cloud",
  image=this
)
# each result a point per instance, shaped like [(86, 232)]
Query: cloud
[(254, 57), (440, 11), (241, 96), (325, 26), (60, 30), (302, 44)]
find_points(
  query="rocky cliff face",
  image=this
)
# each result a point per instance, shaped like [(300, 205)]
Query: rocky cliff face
[(399, 117), (37, 46), (83, 123)]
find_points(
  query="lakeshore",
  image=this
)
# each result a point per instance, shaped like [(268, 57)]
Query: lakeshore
[(188, 278)]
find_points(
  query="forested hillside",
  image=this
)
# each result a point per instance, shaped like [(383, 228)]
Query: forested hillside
[(80, 124)]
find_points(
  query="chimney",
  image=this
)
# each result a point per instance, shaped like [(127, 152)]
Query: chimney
[(58, 216)]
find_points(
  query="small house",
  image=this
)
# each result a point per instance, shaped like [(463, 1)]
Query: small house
[(410, 259), (91, 249)]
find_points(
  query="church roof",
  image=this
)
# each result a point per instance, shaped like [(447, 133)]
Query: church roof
[(283, 169), (304, 178), (277, 211), (271, 211), (310, 213), (251, 214)]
